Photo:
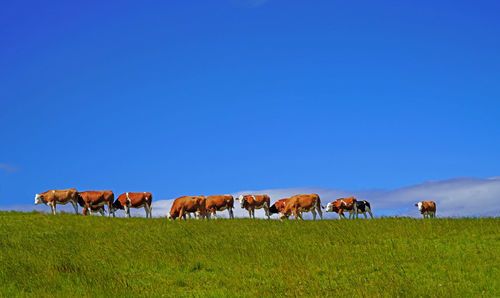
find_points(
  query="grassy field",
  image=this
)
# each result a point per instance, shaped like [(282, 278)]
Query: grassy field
[(68, 255)]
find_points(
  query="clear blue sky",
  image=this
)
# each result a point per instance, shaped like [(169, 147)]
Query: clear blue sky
[(210, 97)]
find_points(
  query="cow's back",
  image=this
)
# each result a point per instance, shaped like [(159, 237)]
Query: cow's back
[(431, 206), (61, 195)]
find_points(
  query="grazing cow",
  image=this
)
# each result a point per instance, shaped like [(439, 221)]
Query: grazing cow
[(53, 197), (362, 207), (339, 205), (134, 200), (278, 207), (302, 203), (427, 208), (220, 203), (90, 199), (187, 204), (252, 202)]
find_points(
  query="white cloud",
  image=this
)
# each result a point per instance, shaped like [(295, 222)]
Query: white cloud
[(459, 197)]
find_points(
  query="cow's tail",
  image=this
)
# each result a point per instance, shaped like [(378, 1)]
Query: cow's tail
[(319, 203)]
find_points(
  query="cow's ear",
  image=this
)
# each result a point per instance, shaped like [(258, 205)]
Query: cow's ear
[(416, 205)]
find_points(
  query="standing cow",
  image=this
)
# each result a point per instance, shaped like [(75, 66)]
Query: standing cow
[(298, 204), (252, 202), (362, 207), (427, 208), (92, 200), (188, 204), (220, 203), (53, 197), (134, 200), (343, 204)]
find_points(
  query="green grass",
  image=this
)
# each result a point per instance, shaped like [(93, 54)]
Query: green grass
[(68, 255)]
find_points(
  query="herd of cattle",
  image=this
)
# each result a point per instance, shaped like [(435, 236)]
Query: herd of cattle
[(205, 207)]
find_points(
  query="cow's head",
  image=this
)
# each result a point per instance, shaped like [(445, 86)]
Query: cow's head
[(330, 207), (242, 200), (116, 206), (283, 216), (286, 212), (273, 209), (419, 205), (38, 198)]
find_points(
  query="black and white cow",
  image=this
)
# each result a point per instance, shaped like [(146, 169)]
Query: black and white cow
[(362, 207)]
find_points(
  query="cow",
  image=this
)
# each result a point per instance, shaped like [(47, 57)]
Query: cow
[(53, 197), (188, 204), (252, 202), (220, 203), (278, 207), (134, 200), (339, 205), (90, 199), (362, 207), (427, 208), (302, 203)]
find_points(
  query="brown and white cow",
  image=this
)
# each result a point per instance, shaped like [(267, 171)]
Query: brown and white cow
[(90, 199), (134, 200), (220, 203), (53, 197), (427, 208), (252, 202), (343, 204), (298, 204), (279, 207), (188, 204)]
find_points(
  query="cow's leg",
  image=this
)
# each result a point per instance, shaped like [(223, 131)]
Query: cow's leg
[(102, 211), (182, 214), (300, 215), (230, 210), (52, 207), (318, 208), (370, 212), (75, 206), (146, 209), (150, 206), (127, 210), (314, 214)]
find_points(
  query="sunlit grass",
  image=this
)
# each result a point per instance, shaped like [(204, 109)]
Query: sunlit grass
[(65, 255)]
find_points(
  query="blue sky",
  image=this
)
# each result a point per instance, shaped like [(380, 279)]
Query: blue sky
[(204, 97)]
